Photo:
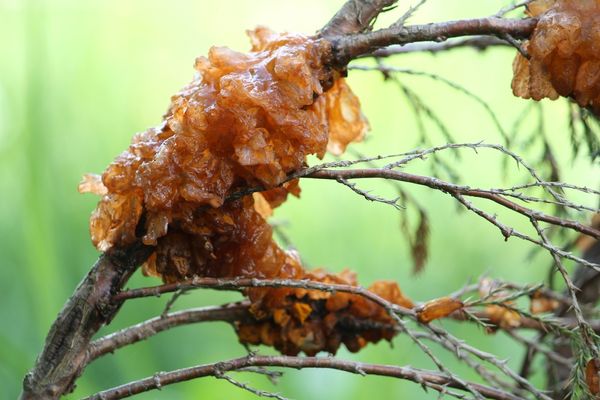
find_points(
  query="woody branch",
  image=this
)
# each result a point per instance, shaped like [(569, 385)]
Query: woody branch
[(238, 312), (93, 304)]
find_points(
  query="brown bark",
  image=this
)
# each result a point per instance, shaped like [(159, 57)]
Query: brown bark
[(348, 47), (355, 16), (430, 379), (87, 310)]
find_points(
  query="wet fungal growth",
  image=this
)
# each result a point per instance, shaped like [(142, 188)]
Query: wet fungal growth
[(564, 53), (246, 120)]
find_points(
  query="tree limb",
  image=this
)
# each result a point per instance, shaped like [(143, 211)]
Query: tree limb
[(479, 43), (348, 47), (226, 313), (453, 188), (230, 313), (239, 284), (434, 380), (90, 307)]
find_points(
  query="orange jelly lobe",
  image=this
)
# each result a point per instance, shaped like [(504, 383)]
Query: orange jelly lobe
[(564, 53), (246, 121)]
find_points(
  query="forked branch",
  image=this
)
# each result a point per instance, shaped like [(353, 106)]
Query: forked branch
[(69, 347)]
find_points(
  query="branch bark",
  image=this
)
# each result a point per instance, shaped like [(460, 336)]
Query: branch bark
[(226, 313), (355, 16), (229, 313), (434, 380), (239, 284), (90, 307), (479, 43), (242, 283), (348, 47), (452, 188)]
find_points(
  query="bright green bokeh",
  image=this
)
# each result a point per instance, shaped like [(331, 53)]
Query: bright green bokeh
[(78, 78)]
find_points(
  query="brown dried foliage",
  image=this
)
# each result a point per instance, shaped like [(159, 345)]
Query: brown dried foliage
[(591, 377), (564, 53), (247, 120), (501, 315), (438, 308), (540, 303)]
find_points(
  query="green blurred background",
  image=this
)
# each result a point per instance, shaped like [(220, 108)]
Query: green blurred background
[(78, 78)]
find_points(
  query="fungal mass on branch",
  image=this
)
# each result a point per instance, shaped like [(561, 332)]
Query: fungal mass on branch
[(564, 53), (246, 120)]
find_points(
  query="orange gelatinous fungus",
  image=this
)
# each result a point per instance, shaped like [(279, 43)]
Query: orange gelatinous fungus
[(295, 320), (438, 308), (501, 315), (564, 53), (591, 376), (246, 121), (539, 303)]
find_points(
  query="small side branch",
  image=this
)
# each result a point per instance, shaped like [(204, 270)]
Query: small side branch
[(349, 47), (242, 283), (451, 188), (108, 344), (479, 43), (229, 313), (429, 379)]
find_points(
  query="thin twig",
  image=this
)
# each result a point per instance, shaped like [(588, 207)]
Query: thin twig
[(479, 43), (452, 188), (348, 47), (127, 336), (430, 379)]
